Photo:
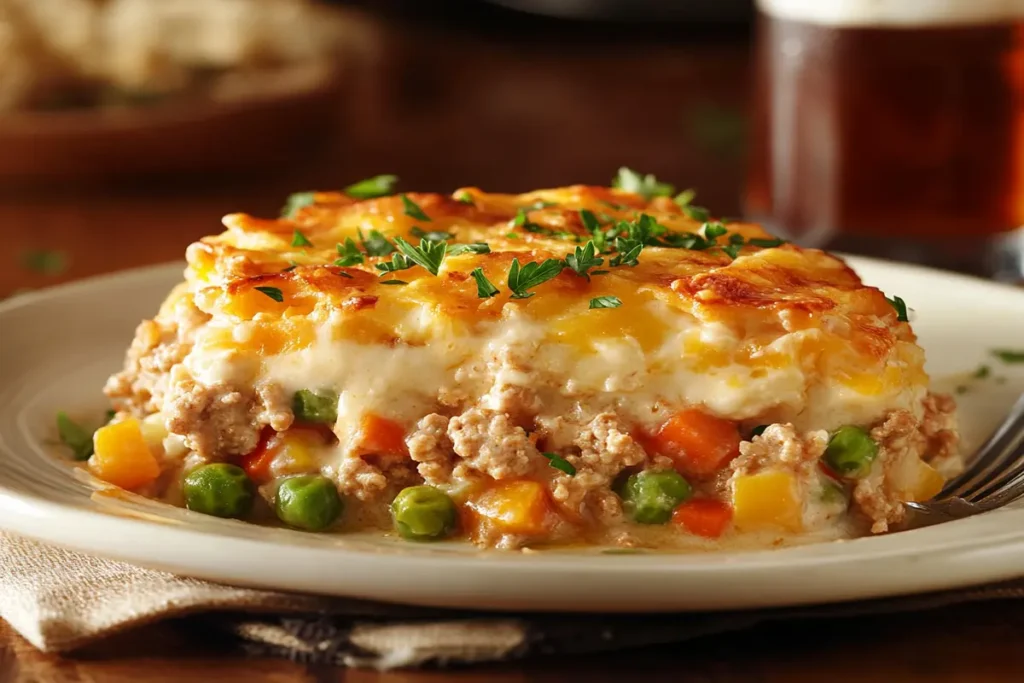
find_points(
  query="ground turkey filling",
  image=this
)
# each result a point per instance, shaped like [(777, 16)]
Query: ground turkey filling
[(457, 450)]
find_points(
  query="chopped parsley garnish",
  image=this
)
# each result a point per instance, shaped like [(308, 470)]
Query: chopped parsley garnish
[(583, 260), (1009, 355), (434, 235), (485, 289), (523, 278), (300, 240), (512, 235), (901, 308), (377, 186), (560, 463), (464, 197), (273, 292), (292, 266), (296, 201), (344, 274), (605, 302), (413, 209), (394, 282), (541, 204), (613, 205), (647, 186), (429, 254), (376, 244), (45, 261), (349, 254), (74, 436), (713, 231), (471, 248), (589, 220), (982, 372)]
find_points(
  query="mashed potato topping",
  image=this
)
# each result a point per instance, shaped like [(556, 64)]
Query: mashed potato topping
[(576, 364)]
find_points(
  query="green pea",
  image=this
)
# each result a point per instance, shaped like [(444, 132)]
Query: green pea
[(651, 496), (833, 493), (423, 513), (219, 489), (758, 430), (851, 451), (309, 502), (312, 406)]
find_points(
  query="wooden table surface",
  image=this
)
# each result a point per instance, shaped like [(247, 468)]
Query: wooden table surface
[(501, 103)]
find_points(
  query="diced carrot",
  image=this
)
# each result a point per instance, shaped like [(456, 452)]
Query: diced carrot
[(514, 507), (700, 444), (121, 455), (256, 463), (703, 517), (381, 436)]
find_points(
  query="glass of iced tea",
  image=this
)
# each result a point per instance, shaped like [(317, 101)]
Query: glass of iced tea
[(894, 129)]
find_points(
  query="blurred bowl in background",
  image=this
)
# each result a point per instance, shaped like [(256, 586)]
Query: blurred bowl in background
[(635, 10), (246, 125)]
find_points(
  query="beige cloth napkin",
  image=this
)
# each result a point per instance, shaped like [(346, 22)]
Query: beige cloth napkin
[(61, 600)]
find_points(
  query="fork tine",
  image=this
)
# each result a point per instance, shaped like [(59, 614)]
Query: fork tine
[(990, 458), (1006, 466), (1011, 489)]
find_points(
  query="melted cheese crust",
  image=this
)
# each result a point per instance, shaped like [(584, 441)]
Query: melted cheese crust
[(776, 335)]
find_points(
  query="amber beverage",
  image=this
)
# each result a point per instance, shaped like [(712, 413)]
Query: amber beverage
[(894, 129)]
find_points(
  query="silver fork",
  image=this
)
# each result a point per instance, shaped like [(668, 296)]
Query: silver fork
[(993, 478)]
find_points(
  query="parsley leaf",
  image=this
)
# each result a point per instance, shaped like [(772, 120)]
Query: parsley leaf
[(377, 244), (297, 201), (523, 278), (485, 289), (273, 292), (712, 231), (435, 235), (398, 262), (394, 282), (74, 436), (583, 260), (464, 197), (629, 252), (300, 240), (605, 302), (901, 308), (589, 221), (429, 254), (377, 186), (982, 372), (1009, 355), (765, 243), (647, 186), (413, 209), (685, 197), (471, 248), (522, 221), (560, 463), (349, 253), (45, 261)]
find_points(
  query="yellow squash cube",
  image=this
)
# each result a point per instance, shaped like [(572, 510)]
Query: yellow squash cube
[(122, 456), (765, 500), (514, 507)]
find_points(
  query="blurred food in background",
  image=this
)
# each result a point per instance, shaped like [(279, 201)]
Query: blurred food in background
[(83, 53), (181, 84)]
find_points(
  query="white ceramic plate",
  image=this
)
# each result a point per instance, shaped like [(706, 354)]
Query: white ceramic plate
[(58, 346)]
